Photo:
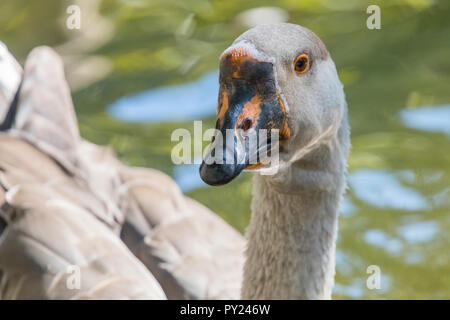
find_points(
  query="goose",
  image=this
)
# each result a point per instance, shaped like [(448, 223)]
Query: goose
[(130, 231), (281, 77)]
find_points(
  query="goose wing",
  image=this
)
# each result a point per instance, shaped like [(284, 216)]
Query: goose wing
[(58, 229), (192, 252), (53, 248), (189, 250), (10, 78)]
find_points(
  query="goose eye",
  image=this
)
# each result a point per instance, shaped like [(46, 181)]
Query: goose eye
[(301, 64)]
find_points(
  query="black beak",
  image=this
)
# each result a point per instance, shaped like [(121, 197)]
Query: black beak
[(218, 169), (219, 174), (248, 102), (239, 145)]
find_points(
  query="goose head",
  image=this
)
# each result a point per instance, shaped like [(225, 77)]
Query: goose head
[(279, 78)]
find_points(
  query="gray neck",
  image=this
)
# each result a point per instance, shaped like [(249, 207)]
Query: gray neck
[(292, 232)]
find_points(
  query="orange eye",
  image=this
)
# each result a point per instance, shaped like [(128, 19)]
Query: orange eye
[(301, 64)]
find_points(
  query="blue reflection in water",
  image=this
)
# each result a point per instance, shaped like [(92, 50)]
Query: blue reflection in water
[(358, 287), (419, 232), (434, 118), (385, 283), (381, 189), (379, 238), (343, 263), (187, 177), (442, 198), (348, 263), (414, 258), (190, 101), (354, 291), (347, 208), (413, 233)]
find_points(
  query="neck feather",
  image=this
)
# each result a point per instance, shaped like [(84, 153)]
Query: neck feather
[(292, 235)]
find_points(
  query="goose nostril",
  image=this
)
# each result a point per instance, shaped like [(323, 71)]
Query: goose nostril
[(246, 124)]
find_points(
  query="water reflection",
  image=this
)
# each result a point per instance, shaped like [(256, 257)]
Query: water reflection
[(190, 101), (354, 290), (187, 177), (414, 258), (379, 238), (433, 118), (347, 208), (418, 232), (381, 189), (357, 288), (347, 263), (442, 198)]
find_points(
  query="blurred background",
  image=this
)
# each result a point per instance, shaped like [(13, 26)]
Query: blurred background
[(139, 69)]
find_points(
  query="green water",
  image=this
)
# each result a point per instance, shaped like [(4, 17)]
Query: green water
[(400, 222)]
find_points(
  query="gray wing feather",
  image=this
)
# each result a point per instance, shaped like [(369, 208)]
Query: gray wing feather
[(65, 201), (191, 251)]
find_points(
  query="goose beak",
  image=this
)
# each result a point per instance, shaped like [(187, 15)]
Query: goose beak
[(249, 108)]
